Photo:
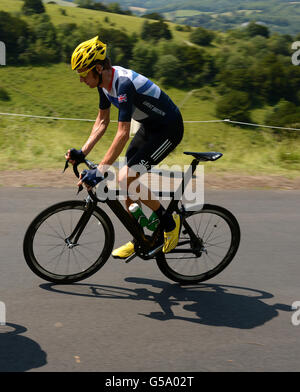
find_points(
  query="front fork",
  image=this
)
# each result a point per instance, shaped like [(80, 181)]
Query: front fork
[(72, 240)]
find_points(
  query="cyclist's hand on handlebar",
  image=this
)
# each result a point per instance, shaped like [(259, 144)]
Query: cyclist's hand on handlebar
[(90, 178), (75, 156)]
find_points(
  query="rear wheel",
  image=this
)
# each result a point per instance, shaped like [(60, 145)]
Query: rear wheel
[(208, 241), (54, 255)]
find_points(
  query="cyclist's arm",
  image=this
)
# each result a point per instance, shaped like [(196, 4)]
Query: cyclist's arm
[(125, 95), (117, 145), (99, 128)]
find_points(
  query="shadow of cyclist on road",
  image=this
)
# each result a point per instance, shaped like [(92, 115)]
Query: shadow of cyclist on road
[(209, 304), (217, 305), (19, 353)]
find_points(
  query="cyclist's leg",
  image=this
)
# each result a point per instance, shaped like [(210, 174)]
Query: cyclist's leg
[(127, 176), (149, 147), (158, 143), (125, 179)]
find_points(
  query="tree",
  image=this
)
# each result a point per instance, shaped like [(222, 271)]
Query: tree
[(143, 59), (234, 105), (155, 31), (166, 70), (283, 114), (268, 78), (45, 48), (33, 7), (119, 44), (255, 28), (280, 44), (16, 34), (201, 36), (153, 15), (192, 66)]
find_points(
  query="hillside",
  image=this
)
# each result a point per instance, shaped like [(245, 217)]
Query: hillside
[(27, 143), (250, 66), (60, 14), (279, 15)]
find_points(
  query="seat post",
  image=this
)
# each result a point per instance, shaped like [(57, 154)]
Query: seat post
[(187, 176), (194, 164)]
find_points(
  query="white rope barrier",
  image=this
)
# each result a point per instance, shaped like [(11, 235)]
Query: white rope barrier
[(47, 117), (259, 125), (226, 120)]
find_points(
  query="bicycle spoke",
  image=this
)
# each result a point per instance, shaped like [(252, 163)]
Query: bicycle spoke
[(52, 248), (55, 231), (50, 235), (57, 257), (214, 229), (76, 260), (61, 225)]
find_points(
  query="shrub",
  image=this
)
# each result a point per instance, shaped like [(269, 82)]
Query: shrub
[(33, 7), (166, 70), (155, 31), (234, 105), (284, 114), (255, 28), (201, 36), (4, 96)]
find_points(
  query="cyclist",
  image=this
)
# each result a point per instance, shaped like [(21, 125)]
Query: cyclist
[(160, 129)]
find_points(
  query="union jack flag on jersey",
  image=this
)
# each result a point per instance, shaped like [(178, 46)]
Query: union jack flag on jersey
[(122, 98)]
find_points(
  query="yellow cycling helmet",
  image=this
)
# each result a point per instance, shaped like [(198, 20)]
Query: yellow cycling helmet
[(87, 52)]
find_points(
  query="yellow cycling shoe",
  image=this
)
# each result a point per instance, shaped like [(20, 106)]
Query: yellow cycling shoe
[(171, 237), (124, 251)]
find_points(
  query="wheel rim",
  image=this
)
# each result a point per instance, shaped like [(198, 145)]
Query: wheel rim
[(60, 258), (195, 258)]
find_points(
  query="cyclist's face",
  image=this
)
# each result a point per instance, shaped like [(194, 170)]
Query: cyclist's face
[(90, 79)]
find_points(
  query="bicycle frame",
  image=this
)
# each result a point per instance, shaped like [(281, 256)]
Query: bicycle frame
[(144, 243)]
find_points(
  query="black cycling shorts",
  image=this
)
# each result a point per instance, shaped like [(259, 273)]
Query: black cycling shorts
[(153, 142)]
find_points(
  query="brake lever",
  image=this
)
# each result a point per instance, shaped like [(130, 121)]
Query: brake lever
[(76, 172), (75, 169), (66, 165)]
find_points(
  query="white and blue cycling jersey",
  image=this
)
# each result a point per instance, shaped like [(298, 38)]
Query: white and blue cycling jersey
[(137, 98)]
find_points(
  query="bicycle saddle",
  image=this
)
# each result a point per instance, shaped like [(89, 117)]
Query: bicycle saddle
[(205, 156)]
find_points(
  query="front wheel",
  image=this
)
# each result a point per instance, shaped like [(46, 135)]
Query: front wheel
[(68, 242), (208, 241)]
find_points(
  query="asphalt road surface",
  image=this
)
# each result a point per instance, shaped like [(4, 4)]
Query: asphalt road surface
[(129, 317)]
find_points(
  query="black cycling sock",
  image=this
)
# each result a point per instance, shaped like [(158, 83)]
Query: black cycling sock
[(166, 219)]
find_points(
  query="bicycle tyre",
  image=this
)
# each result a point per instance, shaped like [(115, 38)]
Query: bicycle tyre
[(233, 226), (67, 208)]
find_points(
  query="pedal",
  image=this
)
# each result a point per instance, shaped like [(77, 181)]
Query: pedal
[(128, 260), (124, 259), (155, 251)]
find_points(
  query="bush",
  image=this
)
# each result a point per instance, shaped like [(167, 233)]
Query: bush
[(235, 106), (254, 29), (144, 59), (4, 96), (16, 34), (166, 70), (284, 114), (31, 7), (155, 31), (201, 36)]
